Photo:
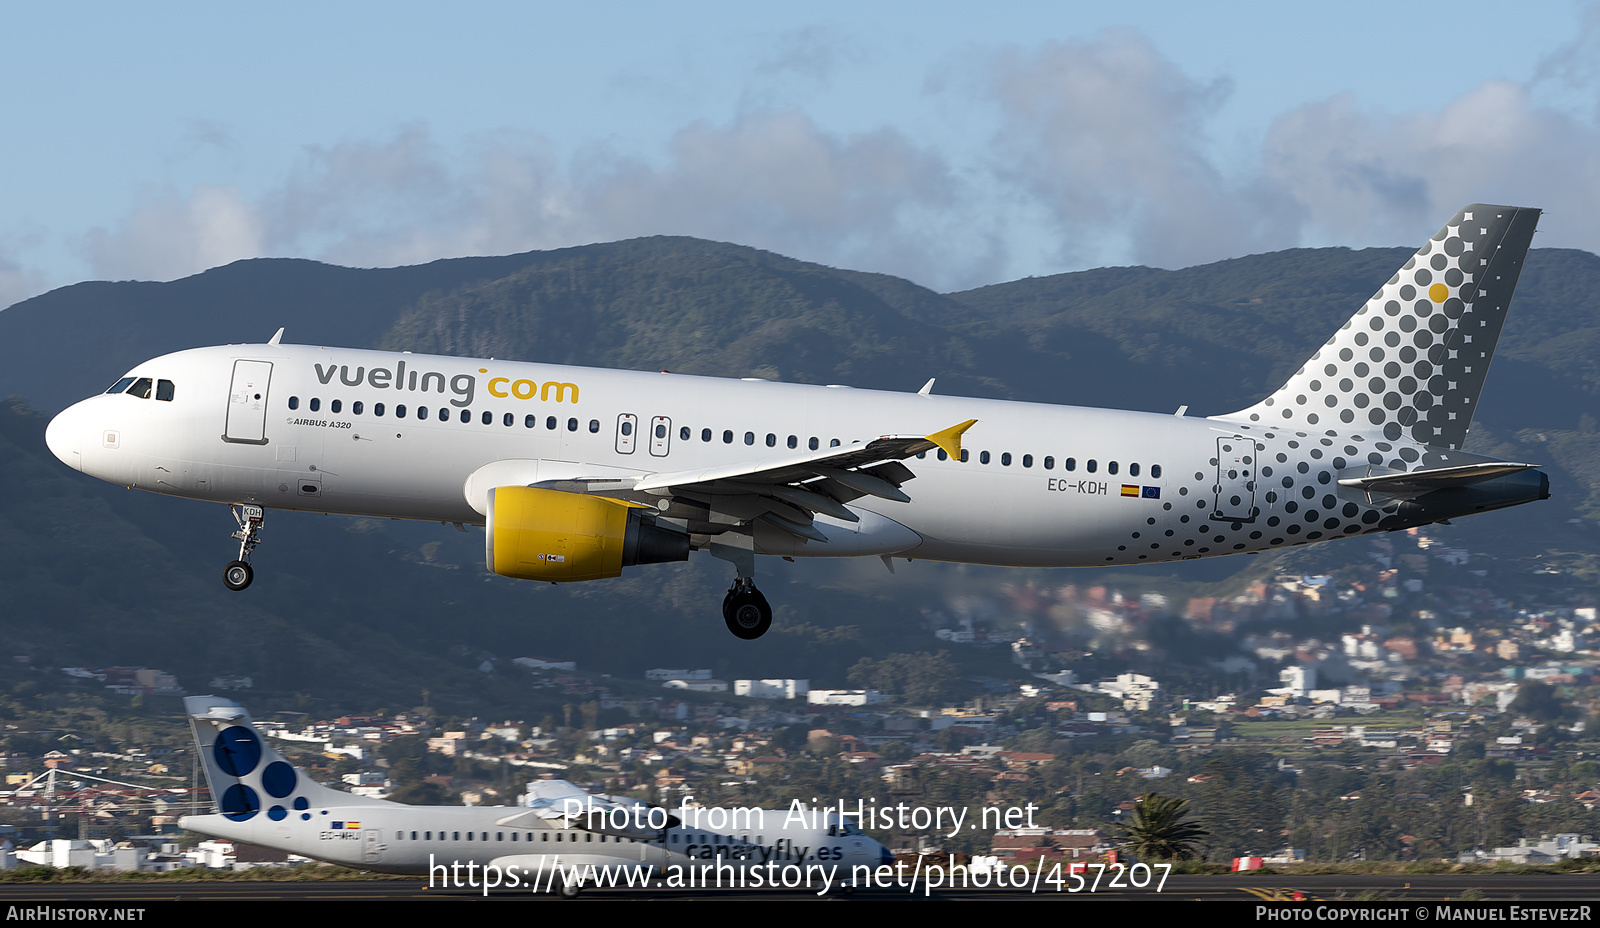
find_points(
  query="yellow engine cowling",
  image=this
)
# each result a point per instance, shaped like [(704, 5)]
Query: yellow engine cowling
[(562, 537)]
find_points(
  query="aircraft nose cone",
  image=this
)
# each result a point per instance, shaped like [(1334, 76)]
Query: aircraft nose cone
[(64, 436)]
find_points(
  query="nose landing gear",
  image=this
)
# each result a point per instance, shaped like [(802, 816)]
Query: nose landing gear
[(238, 574)]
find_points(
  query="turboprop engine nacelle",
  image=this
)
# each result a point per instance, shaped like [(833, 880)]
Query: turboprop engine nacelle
[(562, 537)]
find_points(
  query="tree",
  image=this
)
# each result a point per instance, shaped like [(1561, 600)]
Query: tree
[(1157, 830)]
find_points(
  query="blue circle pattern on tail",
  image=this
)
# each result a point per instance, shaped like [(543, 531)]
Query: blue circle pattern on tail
[(278, 779), (240, 803), (237, 751)]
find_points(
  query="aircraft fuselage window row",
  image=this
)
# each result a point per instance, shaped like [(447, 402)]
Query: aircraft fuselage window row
[(589, 837), (551, 423), (570, 836), (401, 411), (625, 428), (141, 387), (1071, 464)]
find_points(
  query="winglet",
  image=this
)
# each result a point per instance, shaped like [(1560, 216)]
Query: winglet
[(276, 336), (927, 388), (950, 439)]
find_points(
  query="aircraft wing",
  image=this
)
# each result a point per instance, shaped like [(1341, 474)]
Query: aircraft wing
[(788, 492)]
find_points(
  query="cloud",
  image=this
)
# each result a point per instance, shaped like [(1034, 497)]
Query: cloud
[(171, 235), (1107, 138), (17, 283), (773, 180), (1371, 177), (1101, 156)]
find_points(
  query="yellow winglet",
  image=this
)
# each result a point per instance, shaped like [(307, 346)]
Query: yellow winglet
[(950, 439)]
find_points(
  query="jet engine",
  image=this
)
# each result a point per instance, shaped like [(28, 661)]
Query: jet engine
[(562, 537)]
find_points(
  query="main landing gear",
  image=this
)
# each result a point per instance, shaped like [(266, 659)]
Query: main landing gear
[(745, 610), (238, 574)]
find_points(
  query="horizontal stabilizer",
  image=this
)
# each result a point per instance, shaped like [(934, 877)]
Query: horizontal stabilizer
[(1418, 482)]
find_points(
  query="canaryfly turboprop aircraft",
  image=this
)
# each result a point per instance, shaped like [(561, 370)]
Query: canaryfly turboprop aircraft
[(578, 473), (566, 839)]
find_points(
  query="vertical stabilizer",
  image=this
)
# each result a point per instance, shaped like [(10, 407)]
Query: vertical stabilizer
[(1412, 361), (246, 775)]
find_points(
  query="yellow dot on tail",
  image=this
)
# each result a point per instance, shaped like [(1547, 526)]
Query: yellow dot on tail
[(1438, 293)]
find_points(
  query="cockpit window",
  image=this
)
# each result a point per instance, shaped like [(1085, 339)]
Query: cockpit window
[(164, 390), (141, 388), (120, 385)]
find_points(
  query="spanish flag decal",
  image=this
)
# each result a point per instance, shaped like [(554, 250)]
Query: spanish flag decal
[(1129, 489)]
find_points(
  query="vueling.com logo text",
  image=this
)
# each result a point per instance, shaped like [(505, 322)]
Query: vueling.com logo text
[(463, 386)]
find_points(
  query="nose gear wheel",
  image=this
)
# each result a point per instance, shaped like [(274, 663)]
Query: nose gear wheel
[(238, 574)]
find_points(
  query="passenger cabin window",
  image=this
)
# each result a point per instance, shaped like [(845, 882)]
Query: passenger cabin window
[(377, 409), (749, 438), (572, 425), (294, 402), (1133, 470), (1111, 468), (1049, 463), (508, 420), (314, 405), (812, 444), (983, 457), (1005, 459), (1069, 464), (335, 406), (400, 411), (1155, 470), (1091, 466), (772, 440), (594, 425), (1027, 460), (355, 408), (550, 423)]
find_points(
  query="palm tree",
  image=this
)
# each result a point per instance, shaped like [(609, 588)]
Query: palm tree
[(1157, 830)]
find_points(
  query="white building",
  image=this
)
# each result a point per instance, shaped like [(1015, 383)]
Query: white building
[(845, 697), (698, 685), (772, 688)]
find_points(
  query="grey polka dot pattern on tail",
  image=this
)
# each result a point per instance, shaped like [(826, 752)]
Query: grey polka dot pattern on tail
[(1411, 363)]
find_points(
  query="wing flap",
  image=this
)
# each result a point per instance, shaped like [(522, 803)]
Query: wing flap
[(787, 492)]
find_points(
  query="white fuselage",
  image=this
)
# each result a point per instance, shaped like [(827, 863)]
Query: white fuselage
[(1043, 486), (397, 838)]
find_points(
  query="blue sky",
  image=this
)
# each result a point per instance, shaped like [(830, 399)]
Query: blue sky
[(940, 142)]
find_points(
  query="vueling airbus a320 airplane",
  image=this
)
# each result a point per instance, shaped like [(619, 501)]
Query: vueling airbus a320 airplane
[(578, 473)]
